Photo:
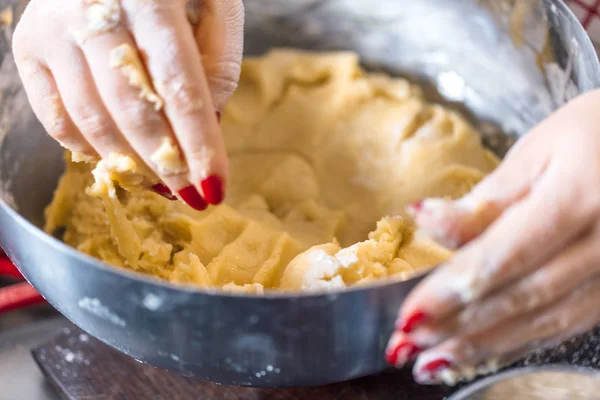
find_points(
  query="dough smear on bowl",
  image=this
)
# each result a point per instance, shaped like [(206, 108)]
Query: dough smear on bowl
[(324, 158)]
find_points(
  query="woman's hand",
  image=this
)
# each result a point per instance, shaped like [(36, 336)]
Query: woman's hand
[(527, 271), (144, 78)]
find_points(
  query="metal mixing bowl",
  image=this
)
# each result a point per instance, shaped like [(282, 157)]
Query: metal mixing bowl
[(508, 63)]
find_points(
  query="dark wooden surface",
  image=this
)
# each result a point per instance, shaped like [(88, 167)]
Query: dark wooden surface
[(82, 368)]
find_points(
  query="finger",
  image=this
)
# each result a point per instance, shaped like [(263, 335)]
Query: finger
[(220, 38), (126, 92), (578, 263), (47, 104), (572, 267), (526, 236), (454, 223), (162, 31), (84, 106), (466, 356)]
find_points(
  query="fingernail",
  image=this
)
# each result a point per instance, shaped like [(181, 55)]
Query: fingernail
[(432, 368), (435, 365), (414, 208), (429, 373), (412, 322), (164, 191), (212, 187), (219, 116), (402, 353), (192, 198)]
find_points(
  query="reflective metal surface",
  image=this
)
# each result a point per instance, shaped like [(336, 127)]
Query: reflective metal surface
[(537, 383), (507, 63)]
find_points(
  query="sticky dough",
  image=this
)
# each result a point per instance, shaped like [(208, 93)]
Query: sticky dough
[(126, 59), (323, 158)]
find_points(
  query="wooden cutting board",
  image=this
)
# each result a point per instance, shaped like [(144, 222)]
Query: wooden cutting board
[(82, 368)]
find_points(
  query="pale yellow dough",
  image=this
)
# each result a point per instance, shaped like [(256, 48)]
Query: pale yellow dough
[(321, 153)]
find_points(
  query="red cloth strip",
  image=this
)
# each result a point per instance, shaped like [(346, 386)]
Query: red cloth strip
[(18, 296)]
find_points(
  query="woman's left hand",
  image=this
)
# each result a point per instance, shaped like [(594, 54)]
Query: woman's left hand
[(527, 272)]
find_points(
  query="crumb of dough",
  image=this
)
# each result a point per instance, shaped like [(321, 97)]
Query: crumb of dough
[(115, 168), (102, 15), (168, 158), (126, 59), (203, 159), (248, 288), (324, 157), (78, 156)]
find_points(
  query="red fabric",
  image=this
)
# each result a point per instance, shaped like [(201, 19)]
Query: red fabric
[(8, 269), (18, 296)]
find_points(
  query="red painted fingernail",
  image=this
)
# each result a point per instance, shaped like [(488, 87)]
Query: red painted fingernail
[(192, 198), (213, 189), (433, 366), (414, 208), (164, 191), (219, 116), (402, 353), (412, 322)]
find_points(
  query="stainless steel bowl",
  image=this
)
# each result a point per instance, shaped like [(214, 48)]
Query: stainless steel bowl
[(507, 63)]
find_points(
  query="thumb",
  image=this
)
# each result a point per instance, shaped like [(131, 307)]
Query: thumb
[(454, 223), (219, 27)]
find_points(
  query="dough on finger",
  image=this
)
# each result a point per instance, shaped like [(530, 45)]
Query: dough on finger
[(558, 278), (506, 342)]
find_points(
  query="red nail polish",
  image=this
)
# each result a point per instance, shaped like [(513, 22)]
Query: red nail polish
[(164, 191), (410, 324), (414, 208), (435, 365), (219, 116), (192, 198), (402, 353), (213, 189)]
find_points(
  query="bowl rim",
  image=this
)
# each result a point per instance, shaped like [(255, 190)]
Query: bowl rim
[(474, 388)]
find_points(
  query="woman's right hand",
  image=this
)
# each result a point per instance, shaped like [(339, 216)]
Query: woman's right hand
[(77, 60)]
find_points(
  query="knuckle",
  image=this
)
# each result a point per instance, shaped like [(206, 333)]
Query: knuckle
[(152, 13), (96, 128), (182, 96), (223, 83), (55, 119), (517, 301), (227, 70), (138, 116), (60, 129), (549, 324)]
